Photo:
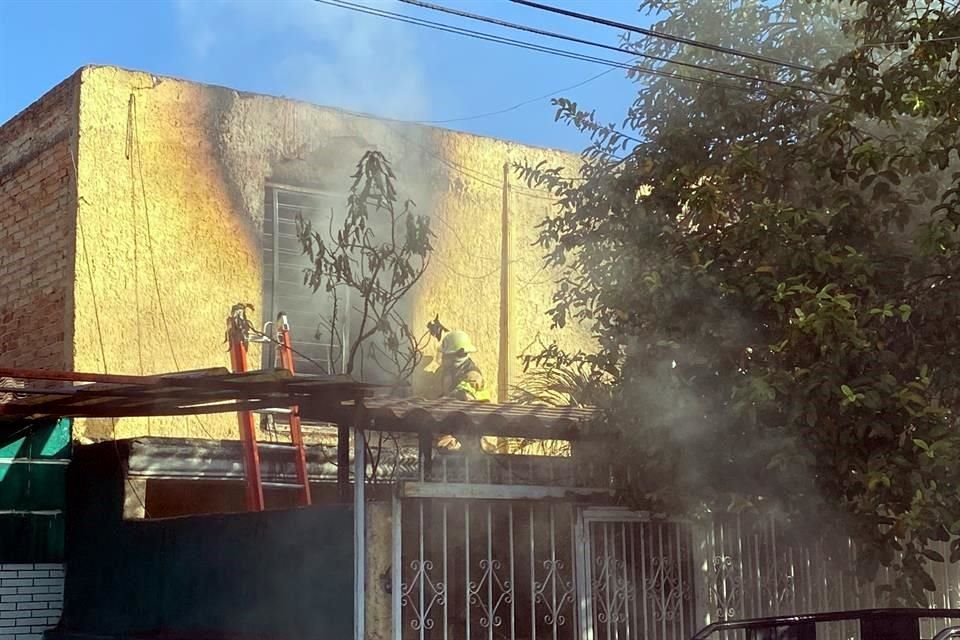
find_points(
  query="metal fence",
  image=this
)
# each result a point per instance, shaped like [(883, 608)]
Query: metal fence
[(522, 568), (750, 568)]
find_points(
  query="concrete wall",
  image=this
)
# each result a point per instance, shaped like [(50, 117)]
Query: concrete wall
[(171, 178), (37, 205)]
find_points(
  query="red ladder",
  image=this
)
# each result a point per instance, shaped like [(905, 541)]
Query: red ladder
[(239, 330)]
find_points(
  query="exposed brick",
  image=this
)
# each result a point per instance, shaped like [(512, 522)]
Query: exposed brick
[(47, 582), (33, 573), (47, 597), (36, 210), (20, 597), (16, 582), (27, 606)]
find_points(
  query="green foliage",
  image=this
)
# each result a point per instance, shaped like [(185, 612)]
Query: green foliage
[(379, 252), (771, 273)]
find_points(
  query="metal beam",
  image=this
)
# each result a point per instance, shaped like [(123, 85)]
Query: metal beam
[(359, 532), (468, 491), (343, 462)]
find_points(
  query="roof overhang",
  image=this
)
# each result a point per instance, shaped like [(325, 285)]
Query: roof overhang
[(321, 399)]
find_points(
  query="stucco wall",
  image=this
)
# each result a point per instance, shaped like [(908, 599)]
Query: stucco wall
[(171, 182), (37, 205)]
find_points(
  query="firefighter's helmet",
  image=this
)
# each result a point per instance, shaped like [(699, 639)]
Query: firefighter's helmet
[(456, 342)]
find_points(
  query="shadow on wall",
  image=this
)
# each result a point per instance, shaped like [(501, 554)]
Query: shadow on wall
[(33, 461), (279, 574)]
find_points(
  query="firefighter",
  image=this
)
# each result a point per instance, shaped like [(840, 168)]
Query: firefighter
[(460, 377)]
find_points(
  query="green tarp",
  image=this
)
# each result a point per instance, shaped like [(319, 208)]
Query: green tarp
[(33, 463)]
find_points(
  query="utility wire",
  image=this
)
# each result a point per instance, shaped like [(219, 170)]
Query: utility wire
[(593, 43), (103, 348), (136, 150), (527, 45), (655, 34), (520, 104)]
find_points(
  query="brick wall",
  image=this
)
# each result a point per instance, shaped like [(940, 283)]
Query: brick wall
[(31, 599), (37, 210)]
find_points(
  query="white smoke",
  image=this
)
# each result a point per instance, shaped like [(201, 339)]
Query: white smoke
[(317, 53)]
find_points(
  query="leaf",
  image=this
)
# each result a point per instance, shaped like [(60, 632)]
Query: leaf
[(935, 556)]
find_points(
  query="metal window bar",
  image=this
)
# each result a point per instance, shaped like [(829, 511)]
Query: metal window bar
[(282, 255)]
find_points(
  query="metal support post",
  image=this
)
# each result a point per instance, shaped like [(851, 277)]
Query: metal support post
[(343, 462), (396, 569), (359, 533)]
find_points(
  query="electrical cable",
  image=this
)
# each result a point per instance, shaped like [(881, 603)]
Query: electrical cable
[(592, 43), (343, 4), (103, 348), (153, 262), (252, 329), (521, 104), (656, 34)]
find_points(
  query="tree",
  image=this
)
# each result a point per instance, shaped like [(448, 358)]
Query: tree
[(770, 270), (379, 252)]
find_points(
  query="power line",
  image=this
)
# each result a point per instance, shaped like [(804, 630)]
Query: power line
[(493, 182), (663, 36), (520, 104), (592, 43), (527, 45)]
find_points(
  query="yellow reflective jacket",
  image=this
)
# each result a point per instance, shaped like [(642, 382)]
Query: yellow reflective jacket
[(470, 385)]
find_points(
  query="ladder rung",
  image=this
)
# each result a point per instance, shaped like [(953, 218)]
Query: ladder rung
[(275, 445), (282, 485)]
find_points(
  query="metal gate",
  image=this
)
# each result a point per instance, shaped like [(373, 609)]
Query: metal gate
[(637, 576), (483, 569), (529, 569)]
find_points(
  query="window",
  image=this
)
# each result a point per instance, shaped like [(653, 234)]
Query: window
[(284, 290)]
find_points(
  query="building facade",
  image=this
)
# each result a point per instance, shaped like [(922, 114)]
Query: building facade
[(138, 209)]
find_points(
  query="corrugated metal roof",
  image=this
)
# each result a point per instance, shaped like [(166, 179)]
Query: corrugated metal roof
[(457, 416), (329, 399), (197, 392)]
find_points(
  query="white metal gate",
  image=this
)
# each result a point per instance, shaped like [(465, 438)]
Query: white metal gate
[(483, 569), (527, 569), (638, 577)]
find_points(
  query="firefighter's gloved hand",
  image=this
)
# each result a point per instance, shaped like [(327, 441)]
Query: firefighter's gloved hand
[(474, 379)]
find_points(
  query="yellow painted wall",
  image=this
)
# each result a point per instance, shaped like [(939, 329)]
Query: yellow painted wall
[(171, 177)]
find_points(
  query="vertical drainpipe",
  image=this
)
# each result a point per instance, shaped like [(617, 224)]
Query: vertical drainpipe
[(506, 259)]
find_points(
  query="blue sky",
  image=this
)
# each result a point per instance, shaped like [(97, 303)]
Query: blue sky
[(325, 55)]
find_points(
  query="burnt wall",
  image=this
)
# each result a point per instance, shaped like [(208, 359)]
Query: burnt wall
[(172, 179)]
